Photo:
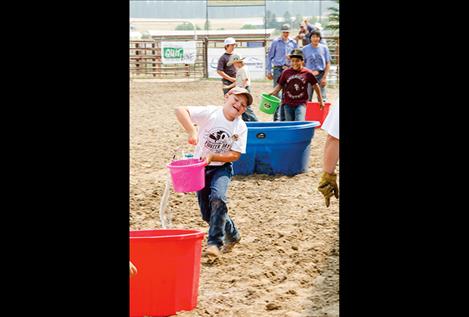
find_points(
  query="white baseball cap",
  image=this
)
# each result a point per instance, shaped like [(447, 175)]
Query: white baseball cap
[(241, 91), (229, 40)]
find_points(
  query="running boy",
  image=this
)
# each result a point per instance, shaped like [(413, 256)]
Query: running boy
[(220, 140)]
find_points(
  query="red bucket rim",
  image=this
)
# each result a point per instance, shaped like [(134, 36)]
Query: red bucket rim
[(191, 234)]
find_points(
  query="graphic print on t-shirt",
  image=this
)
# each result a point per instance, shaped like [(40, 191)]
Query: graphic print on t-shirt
[(295, 87), (316, 60), (217, 140)]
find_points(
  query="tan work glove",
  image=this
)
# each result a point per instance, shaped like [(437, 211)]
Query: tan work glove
[(328, 186)]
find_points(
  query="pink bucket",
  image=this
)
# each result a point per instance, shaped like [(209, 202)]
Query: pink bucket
[(188, 175)]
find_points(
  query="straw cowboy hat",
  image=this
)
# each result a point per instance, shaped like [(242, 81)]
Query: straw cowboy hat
[(235, 58), (285, 28), (297, 52), (318, 26)]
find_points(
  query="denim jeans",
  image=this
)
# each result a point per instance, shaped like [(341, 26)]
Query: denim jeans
[(212, 202), (226, 82), (279, 114), (297, 113), (311, 90), (249, 114)]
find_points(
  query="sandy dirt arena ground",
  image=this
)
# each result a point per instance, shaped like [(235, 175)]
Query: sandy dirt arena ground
[(287, 263)]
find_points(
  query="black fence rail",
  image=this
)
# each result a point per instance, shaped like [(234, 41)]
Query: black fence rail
[(145, 60)]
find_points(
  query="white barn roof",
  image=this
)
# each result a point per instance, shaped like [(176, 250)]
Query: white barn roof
[(239, 35)]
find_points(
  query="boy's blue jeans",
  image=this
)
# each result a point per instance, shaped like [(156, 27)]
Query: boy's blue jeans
[(212, 202), (249, 114), (311, 90), (297, 113)]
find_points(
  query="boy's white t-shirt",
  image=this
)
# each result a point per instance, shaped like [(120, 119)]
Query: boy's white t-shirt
[(242, 74), (216, 133), (331, 123)]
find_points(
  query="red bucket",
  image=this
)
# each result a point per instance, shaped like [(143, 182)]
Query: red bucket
[(314, 113), (168, 271)]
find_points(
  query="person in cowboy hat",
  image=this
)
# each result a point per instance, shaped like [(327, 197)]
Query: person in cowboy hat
[(243, 80), (277, 61), (293, 82)]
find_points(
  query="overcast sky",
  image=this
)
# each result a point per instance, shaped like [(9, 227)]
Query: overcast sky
[(196, 9)]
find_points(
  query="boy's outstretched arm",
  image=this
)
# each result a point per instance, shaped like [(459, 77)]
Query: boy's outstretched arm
[(133, 269), (229, 86), (323, 82), (318, 92), (276, 90), (184, 118), (229, 156), (225, 76)]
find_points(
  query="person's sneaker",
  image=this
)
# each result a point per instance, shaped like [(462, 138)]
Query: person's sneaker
[(212, 250), (230, 245)]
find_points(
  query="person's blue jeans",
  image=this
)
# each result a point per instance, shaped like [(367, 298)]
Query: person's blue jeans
[(297, 113), (249, 115), (226, 82), (311, 90), (212, 202), (278, 115)]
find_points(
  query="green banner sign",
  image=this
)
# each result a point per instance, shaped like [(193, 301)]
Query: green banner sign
[(173, 52), (178, 52)]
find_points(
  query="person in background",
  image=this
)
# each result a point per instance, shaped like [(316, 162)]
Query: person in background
[(310, 28), (277, 61), (301, 39), (328, 183), (243, 80), (319, 28), (318, 60), (293, 82), (227, 73)]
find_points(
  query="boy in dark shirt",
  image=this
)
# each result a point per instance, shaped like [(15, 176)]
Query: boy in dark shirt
[(227, 73), (294, 82)]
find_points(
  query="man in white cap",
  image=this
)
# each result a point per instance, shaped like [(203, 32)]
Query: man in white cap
[(227, 73), (277, 61)]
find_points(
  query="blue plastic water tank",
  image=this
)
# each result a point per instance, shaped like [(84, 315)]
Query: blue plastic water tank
[(280, 147)]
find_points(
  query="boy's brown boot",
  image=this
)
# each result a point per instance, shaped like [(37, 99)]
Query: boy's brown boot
[(230, 245), (212, 250)]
